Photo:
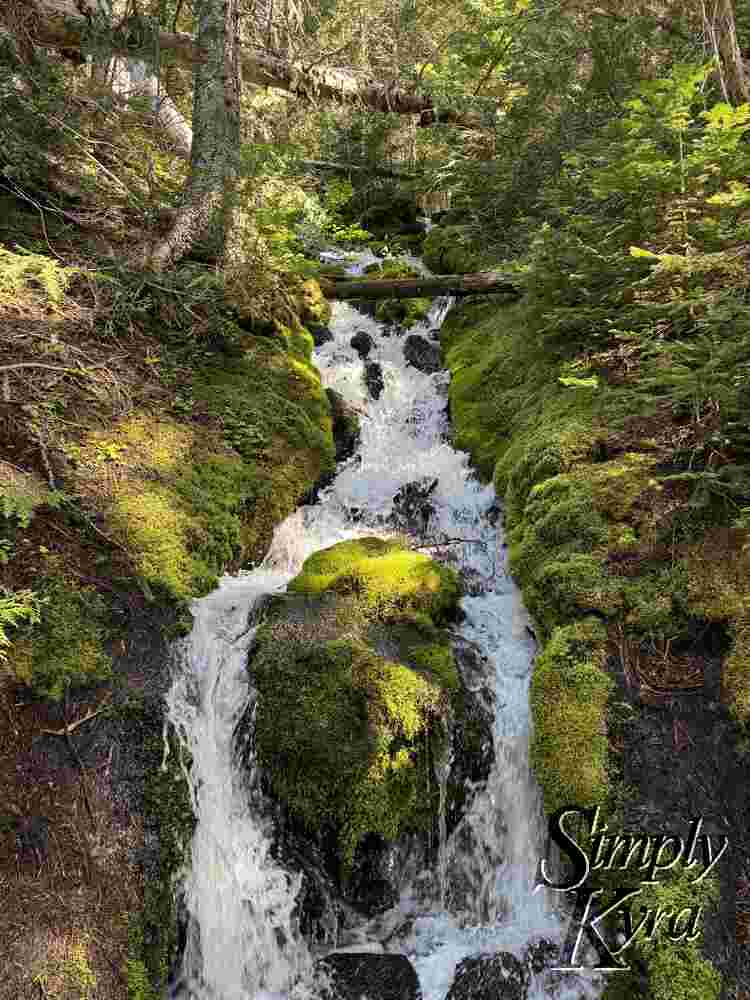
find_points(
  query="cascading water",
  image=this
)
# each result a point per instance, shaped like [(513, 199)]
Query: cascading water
[(242, 941)]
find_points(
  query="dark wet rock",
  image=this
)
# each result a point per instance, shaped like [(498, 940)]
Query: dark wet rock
[(412, 508), (362, 343), (374, 379), (434, 334), (366, 307), (471, 733), (490, 977), (321, 334), (345, 425), (378, 977), (368, 886), (423, 355)]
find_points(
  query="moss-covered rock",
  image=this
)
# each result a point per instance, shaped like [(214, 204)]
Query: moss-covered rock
[(405, 312), (346, 730)]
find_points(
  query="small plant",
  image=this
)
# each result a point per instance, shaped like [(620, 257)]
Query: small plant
[(23, 269), (15, 608)]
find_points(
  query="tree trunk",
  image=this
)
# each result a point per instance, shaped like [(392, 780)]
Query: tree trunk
[(130, 78), (214, 160), (60, 24), (482, 283), (724, 36)]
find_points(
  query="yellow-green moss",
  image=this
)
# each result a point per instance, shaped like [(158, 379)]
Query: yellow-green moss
[(717, 584), (65, 648), (187, 500), (569, 693), (387, 577), (313, 306), (677, 971)]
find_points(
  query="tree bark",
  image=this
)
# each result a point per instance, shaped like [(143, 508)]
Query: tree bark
[(724, 36), (214, 161), (483, 283), (60, 25)]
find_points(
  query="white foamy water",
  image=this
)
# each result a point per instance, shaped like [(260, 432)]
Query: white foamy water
[(244, 943)]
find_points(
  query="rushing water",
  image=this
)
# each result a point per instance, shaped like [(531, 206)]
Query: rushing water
[(242, 942)]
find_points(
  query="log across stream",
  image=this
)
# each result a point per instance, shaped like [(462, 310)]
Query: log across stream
[(482, 283)]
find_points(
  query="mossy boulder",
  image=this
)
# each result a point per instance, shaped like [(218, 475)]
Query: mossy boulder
[(354, 675), (405, 312)]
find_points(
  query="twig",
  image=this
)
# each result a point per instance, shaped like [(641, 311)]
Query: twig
[(452, 541), (71, 727)]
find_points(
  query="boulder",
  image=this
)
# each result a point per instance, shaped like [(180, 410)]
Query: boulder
[(490, 977), (362, 343), (377, 977), (329, 702), (345, 425), (422, 355), (320, 333), (373, 376)]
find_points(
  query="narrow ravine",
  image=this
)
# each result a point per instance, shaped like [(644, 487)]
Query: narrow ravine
[(243, 942)]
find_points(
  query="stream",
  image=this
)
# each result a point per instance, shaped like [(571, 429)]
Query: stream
[(242, 941)]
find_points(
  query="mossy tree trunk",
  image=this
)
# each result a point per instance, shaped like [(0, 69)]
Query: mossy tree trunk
[(214, 159)]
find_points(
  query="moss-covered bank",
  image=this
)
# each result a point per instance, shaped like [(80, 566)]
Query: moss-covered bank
[(355, 677), (123, 496), (628, 581)]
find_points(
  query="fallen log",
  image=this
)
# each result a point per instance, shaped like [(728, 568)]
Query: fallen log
[(65, 24), (483, 283)]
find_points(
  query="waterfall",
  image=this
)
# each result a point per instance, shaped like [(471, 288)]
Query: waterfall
[(244, 943)]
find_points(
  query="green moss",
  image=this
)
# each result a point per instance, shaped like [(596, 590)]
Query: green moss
[(345, 730), (387, 578), (392, 269), (436, 659), (339, 730), (569, 693), (65, 649), (677, 971)]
